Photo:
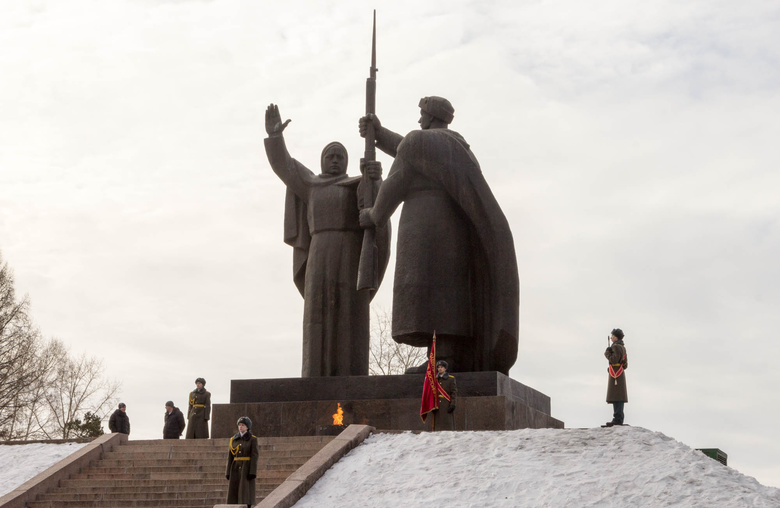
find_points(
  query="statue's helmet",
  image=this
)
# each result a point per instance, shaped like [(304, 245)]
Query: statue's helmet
[(438, 107)]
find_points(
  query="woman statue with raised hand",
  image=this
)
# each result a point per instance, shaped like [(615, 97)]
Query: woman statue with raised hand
[(321, 224)]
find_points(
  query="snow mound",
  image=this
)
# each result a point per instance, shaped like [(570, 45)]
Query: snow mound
[(620, 466), (19, 463)]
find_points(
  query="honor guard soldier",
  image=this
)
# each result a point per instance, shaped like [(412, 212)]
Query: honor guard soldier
[(617, 393), (242, 465), (444, 417), (199, 411)]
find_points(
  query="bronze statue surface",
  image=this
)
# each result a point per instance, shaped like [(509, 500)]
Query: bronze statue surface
[(321, 224), (456, 269)]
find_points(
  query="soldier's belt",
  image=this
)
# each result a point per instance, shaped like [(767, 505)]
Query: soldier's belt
[(616, 364), (199, 405), (242, 458)]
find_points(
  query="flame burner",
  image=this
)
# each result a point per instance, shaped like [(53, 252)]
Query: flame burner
[(330, 430), (338, 424)]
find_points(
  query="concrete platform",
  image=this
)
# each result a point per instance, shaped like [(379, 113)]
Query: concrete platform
[(305, 406)]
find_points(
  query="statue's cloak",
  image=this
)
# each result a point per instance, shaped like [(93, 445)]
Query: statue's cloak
[(443, 156)]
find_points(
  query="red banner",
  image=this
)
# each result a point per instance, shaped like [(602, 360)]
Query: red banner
[(431, 387)]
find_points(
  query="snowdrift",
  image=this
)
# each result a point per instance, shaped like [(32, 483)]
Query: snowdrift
[(619, 466), (20, 462)]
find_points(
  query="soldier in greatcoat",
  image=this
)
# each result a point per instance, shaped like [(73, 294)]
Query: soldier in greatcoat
[(444, 417), (617, 393), (242, 465), (199, 411)]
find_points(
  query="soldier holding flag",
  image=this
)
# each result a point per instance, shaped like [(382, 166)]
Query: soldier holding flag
[(439, 393), (444, 417)]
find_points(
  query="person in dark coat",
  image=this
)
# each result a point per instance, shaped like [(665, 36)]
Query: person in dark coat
[(241, 469), (174, 421), (119, 421), (617, 393), (199, 411), (444, 417)]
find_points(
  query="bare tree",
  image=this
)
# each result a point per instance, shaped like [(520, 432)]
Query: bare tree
[(387, 356), (77, 387), (19, 343), (36, 420), (44, 392)]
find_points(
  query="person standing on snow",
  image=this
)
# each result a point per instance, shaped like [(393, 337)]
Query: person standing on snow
[(617, 393), (444, 417)]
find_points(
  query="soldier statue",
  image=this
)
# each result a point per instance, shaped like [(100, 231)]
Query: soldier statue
[(456, 270)]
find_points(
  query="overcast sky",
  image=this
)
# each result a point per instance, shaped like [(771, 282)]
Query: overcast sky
[(632, 145)]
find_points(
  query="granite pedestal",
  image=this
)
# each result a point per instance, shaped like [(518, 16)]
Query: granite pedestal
[(301, 406)]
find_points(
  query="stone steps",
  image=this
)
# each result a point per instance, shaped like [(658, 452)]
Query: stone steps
[(205, 461), (221, 453), (122, 503), (129, 487), (113, 496), (205, 466), (175, 473), (80, 483)]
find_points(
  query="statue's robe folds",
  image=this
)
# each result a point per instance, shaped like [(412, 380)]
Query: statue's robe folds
[(456, 269), (321, 224)]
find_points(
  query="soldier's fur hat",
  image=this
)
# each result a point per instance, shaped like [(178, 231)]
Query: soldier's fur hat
[(439, 107), (170, 403), (617, 332), (442, 363), (201, 380), (246, 421)]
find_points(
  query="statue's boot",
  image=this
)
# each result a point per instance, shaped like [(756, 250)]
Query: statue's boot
[(420, 369)]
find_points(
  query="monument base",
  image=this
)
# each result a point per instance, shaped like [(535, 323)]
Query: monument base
[(304, 406)]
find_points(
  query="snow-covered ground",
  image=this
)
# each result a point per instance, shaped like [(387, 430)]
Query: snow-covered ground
[(624, 466), (621, 467), (19, 463)]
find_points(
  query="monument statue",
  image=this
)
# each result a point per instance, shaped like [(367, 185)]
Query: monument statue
[(321, 224), (456, 270)]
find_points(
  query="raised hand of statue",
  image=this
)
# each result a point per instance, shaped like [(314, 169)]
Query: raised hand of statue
[(273, 121), (371, 168), (364, 122)]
